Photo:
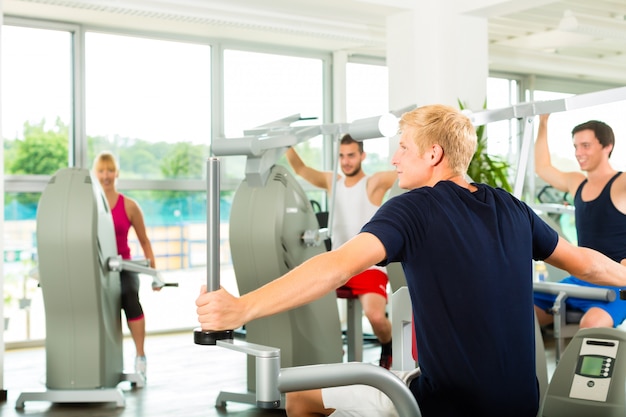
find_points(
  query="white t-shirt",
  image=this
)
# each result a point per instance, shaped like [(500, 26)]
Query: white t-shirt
[(351, 210)]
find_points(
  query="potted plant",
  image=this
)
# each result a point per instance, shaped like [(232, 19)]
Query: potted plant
[(8, 300)]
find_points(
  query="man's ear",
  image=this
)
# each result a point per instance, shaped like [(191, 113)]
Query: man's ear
[(436, 154)]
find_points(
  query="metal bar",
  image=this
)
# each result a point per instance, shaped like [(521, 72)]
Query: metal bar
[(213, 224), (340, 374), (534, 108), (520, 175), (331, 209), (577, 291), (210, 337)]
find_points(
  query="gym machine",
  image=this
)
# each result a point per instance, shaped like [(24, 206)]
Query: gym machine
[(271, 379), (590, 378), (273, 228), (79, 277)]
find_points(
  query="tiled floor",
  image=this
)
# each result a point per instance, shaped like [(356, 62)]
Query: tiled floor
[(184, 380)]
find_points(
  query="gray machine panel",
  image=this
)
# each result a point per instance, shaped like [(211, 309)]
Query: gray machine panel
[(75, 237), (266, 228), (590, 378)]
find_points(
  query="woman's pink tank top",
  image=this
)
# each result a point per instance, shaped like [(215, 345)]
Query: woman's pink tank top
[(122, 226)]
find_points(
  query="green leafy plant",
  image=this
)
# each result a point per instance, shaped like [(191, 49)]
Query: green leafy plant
[(8, 299), (484, 168)]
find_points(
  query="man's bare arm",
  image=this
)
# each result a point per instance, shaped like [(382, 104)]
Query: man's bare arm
[(218, 310), (587, 264), (320, 179), (562, 181), (378, 185)]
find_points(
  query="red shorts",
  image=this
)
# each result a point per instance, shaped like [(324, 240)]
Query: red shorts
[(368, 281)]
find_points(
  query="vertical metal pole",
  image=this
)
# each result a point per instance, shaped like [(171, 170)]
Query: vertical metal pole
[(331, 209), (213, 224), (210, 337), (527, 140)]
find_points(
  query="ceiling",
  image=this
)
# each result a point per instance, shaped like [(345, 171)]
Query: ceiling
[(524, 37), (530, 41)]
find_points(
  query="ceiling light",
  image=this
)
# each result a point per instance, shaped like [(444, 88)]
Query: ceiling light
[(612, 28)]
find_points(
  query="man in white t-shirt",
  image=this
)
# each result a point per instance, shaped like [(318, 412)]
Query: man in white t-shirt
[(357, 198)]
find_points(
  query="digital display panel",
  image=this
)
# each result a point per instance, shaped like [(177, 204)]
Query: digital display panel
[(591, 365)]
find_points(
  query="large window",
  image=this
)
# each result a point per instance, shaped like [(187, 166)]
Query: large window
[(260, 88), (37, 132), (148, 101), (503, 136), (36, 99), (367, 95)]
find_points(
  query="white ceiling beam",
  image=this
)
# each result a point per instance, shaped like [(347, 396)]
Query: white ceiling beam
[(508, 59), (399, 4), (357, 34), (491, 8)]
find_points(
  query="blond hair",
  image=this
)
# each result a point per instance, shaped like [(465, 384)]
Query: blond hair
[(107, 159), (446, 127)]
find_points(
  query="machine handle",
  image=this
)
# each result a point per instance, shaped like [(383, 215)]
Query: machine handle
[(571, 290), (116, 263), (341, 374), (157, 283), (209, 337)]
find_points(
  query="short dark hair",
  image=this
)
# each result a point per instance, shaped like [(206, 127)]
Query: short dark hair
[(603, 132), (347, 140)]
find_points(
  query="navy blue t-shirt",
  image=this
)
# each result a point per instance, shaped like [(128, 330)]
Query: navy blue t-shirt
[(467, 261)]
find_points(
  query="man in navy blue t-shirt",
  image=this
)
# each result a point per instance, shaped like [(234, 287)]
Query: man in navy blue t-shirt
[(467, 251)]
